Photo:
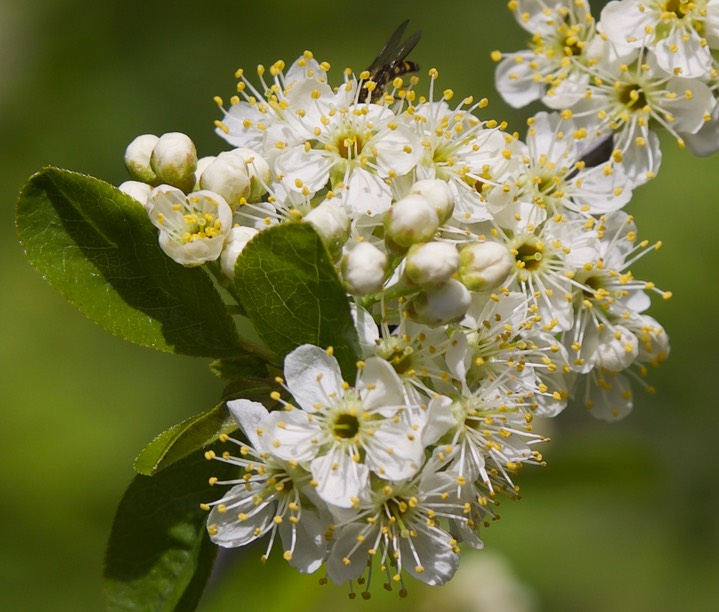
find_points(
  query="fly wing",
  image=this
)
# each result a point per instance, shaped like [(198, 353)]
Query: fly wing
[(387, 53)]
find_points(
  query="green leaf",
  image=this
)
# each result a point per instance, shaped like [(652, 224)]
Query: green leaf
[(159, 556), (289, 289), (186, 437), (197, 432), (97, 247)]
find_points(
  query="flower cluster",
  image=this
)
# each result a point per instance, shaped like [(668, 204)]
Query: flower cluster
[(646, 64), (490, 278)]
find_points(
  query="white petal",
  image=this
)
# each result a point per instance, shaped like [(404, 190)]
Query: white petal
[(367, 193), (611, 399), (310, 169), (310, 545), (396, 451), (249, 416), (439, 419), (435, 554), (339, 478), (379, 385), (514, 80), (347, 546), (233, 532), (312, 376), (291, 435)]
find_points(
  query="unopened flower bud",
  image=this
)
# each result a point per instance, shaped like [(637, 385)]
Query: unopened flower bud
[(174, 160), (411, 220), (137, 158), (227, 175), (331, 223), (484, 266), (136, 190), (363, 269), (431, 264), (445, 304), (439, 194), (235, 242), (258, 170), (202, 163)]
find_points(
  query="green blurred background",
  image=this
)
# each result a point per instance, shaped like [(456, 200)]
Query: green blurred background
[(624, 517)]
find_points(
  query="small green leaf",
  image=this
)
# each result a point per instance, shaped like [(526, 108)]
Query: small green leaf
[(289, 289), (186, 437), (230, 368), (97, 247), (159, 555), (197, 432)]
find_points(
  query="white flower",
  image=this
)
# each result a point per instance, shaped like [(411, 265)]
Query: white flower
[(499, 344), (415, 351), (562, 32), (475, 159), (680, 33), (627, 95), (343, 433), (259, 112), (192, 228), (492, 438), (561, 174), (357, 148), (270, 496), (399, 523), (547, 256), (606, 296)]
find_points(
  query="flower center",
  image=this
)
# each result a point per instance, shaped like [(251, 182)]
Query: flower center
[(530, 256), (678, 7), (349, 146), (593, 283), (346, 426), (632, 97)]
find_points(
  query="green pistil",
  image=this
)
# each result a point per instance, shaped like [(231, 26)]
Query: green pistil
[(346, 427)]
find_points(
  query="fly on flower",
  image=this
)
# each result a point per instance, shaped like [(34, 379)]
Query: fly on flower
[(390, 61)]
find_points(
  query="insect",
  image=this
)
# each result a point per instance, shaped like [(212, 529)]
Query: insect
[(390, 61)]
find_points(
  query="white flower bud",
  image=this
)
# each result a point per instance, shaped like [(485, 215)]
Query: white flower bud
[(484, 266), (227, 175), (174, 160), (202, 163), (136, 190), (431, 264), (137, 158), (192, 227), (411, 220), (363, 269), (332, 224), (235, 242), (439, 194), (446, 304), (258, 170)]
